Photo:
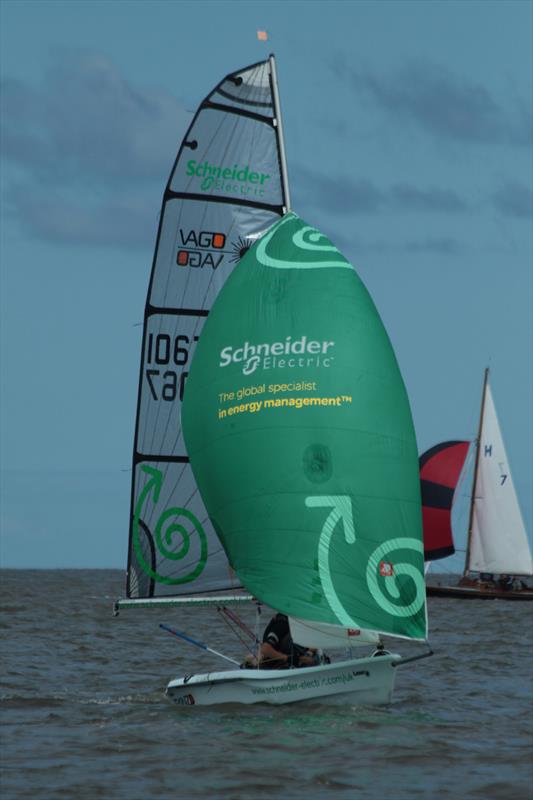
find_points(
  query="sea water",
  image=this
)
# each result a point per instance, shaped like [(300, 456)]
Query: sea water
[(84, 714)]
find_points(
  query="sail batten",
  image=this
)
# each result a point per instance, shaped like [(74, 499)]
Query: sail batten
[(171, 195), (241, 112), (225, 188)]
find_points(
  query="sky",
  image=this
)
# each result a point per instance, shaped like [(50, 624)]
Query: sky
[(409, 131)]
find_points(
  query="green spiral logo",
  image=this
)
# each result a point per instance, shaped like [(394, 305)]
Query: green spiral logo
[(389, 582), (166, 531), (315, 250)]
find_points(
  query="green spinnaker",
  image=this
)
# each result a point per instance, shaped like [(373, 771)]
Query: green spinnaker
[(300, 436)]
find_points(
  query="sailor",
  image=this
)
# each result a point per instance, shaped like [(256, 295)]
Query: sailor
[(506, 583), (278, 651)]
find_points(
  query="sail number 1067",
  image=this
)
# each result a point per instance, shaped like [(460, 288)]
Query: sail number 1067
[(165, 350)]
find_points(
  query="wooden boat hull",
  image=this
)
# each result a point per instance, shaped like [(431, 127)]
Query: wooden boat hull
[(478, 593), (362, 681)]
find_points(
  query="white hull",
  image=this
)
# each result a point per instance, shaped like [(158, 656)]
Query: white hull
[(364, 681)]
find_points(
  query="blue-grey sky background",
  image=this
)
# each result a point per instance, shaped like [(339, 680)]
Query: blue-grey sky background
[(408, 130)]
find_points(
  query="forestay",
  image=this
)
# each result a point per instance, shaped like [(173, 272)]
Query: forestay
[(225, 188), (301, 439), (498, 541)]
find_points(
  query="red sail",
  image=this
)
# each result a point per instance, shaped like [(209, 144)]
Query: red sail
[(440, 467)]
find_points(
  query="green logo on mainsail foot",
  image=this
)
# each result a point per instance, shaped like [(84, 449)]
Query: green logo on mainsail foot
[(163, 536), (372, 570), (341, 509)]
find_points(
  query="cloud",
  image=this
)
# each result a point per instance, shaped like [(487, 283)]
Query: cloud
[(447, 246), (411, 198), (336, 194), (514, 200), (343, 195), (60, 215), (86, 123), (444, 245), (441, 103), (88, 152)]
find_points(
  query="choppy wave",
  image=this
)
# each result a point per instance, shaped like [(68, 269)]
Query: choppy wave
[(84, 713)]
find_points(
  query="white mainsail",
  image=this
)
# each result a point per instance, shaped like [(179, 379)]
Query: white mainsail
[(227, 186), (498, 540)]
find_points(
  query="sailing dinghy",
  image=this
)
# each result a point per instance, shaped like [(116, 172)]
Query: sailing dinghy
[(300, 436), (227, 188), (497, 542)]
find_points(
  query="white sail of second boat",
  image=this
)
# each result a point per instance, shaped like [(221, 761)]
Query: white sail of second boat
[(498, 541)]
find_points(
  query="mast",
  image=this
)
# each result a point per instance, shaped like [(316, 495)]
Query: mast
[(279, 126), (474, 486)]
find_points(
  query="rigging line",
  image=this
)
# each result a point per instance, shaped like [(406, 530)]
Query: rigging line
[(198, 326), (174, 490), (193, 494), (184, 504), (170, 407), (180, 475), (170, 494), (188, 502), (179, 436), (222, 581), (236, 633), (242, 625)]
